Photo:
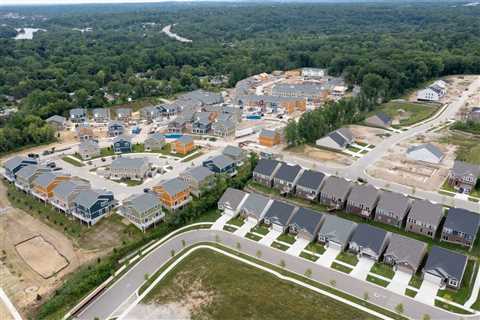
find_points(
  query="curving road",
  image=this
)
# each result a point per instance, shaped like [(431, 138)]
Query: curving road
[(107, 303)]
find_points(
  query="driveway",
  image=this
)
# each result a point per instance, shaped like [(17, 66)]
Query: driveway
[(328, 257), (400, 281), (427, 292), (270, 237), (362, 268), (297, 247), (247, 226), (218, 225)]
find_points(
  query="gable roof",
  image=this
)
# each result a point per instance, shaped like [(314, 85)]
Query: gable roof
[(426, 212), (266, 167), (461, 168), (393, 202), (462, 220), (346, 133), (280, 212), (199, 173), (128, 163), (122, 138), (45, 179), (28, 171), (174, 186), (406, 249), (232, 151), (255, 204), (383, 117), (185, 139), (288, 172), (336, 186), (445, 263), (101, 113), (65, 188), (367, 236), (364, 194), (311, 179), (271, 134), (428, 147), (306, 219), (142, 202), (77, 112), (56, 118), (232, 198), (14, 162), (220, 161), (155, 137), (87, 198), (337, 229)]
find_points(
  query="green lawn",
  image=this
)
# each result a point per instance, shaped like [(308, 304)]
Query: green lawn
[(130, 182), (286, 237), (353, 149), (279, 246), (383, 269), (417, 111), (468, 147), (138, 148), (261, 229), (228, 289), (315, 247), (74, 162), (308, 256), (105, 152), (192, 157), (229, 228), (377, 281), (237, 221), (450, 307), (461, 295), (416, 281), (341, 267), (252, 236), (348, 258), (411, 293)]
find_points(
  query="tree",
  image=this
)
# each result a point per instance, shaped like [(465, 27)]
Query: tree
[(291, 133), (308, 273), (399, 308), (282, 263)]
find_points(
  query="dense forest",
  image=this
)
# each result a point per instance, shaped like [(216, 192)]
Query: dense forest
[(386, 48)]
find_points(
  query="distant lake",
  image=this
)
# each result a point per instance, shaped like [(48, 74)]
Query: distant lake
[(26, 33)]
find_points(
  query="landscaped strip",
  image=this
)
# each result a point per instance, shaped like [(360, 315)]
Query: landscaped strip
[(252, 236), (377, 281), (411, 293), (341, 267), (348, 258), (308, 256), (450, 307), (279, 246), (383, 270), (73, 162)]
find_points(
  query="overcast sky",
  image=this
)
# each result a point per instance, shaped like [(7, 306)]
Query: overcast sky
[(24, 2)]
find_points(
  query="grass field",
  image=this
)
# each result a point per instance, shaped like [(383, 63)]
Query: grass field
[(209, 285), (383, 269), (468, 147), (377, 281), (417, 111), (73, 161), (461, 295), (341, 267), (347, 257)]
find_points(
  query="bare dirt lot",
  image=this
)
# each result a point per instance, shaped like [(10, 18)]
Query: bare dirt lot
[(396, 167), (41, 256), (368, 135), (329, 157)]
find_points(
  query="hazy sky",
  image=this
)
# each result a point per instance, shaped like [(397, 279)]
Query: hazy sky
[(20, 2)]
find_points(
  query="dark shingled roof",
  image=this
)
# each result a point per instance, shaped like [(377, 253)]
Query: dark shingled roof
[(288, 172), (445, 263), (266, 166), (311, 179), (367, 236), (280, 212), (307, 219), (462, 220)]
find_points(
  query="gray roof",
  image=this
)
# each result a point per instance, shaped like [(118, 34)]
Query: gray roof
[(234, 152), (462, 220), (221, 161), (337, 229), (299, 88), (338, 138), (101, 113), (266, 166), (14, 162), (364, 194), (199, 173), (77, 112), (142, 202), (287, 172), (370, 237), (157, 136), (185, 139), (346, 133), (88, 145), (382, 117), (393, 202), (45, 179), (27, 171), (311, 179), (123, 137), (255, 204), (461, 168), (336, 186), (426, 212), (280, 212), (268, 133), (445, 263), (232, 198), (123, 111), (306, 219), (227, 124), (174, 186), (406, 249), (205, 97), (65, 188), (129, 163), (429, 147), (56, 118), (86, 198)]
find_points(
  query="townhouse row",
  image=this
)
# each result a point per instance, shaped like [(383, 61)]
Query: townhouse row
[(418, 216), (442, 267)]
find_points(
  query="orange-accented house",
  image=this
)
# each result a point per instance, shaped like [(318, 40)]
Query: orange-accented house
[(45, 183), (174, 193), (269, 138), (183, 145)]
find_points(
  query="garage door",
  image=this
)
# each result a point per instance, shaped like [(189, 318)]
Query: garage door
[(252, 220), (334, 245), (277, 227), (432, 278)]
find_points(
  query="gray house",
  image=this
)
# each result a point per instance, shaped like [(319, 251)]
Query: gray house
[(143, 210), (278, 216), (235, 153), (90, 206), (124, 114), (78, 115), (198, 178), (445, 267), (58, 122), (231, 201), (154, 142), (255, 207), (223, 128), (115, 128), (463, 176), (265, 171), (66, 191), (89, 149), (392, 208), (379, 120), (334, 192), (26, 175), (286, 177), (309, 183), (424, 218), (337, 140), (461, 227), (362, 200), (150, 113), (368, 241), (405, 253), (305, 224), (101, 115), (336, 232), (13, 165)]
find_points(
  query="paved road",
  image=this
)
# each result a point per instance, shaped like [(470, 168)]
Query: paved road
[(103, 306)]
